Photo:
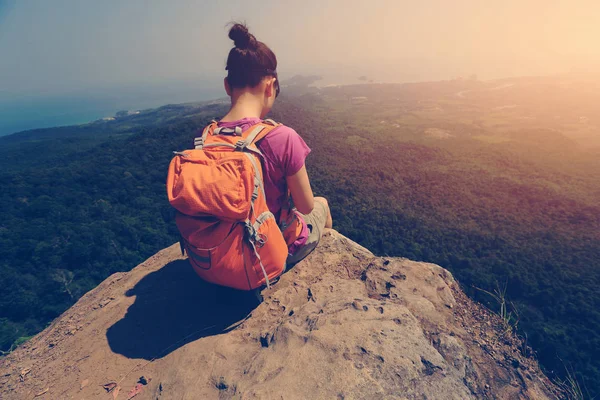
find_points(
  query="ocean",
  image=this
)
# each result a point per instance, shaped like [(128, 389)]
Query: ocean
[(25, 112)]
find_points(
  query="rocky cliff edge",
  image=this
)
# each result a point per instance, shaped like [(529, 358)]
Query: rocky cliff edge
[(342, 324)]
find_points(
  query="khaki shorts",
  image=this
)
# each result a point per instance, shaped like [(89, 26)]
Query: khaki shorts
[(315, 221)]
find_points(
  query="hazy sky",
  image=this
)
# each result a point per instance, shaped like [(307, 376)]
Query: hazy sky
[(60, 46)]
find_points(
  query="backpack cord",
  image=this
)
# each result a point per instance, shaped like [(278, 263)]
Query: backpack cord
[(252, 235), (261, 264)]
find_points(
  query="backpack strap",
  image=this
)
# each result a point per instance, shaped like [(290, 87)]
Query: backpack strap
[(199, 141), (265, 131), (256, 130), (259, 131)]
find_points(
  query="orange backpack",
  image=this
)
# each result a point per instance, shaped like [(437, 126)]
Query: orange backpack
[(227, 230)]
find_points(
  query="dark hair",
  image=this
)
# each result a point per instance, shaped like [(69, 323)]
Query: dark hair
[(250, 60)]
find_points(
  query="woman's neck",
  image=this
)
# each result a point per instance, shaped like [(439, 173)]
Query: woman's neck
[(246, 105)]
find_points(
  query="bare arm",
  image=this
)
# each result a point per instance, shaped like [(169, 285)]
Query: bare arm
[(302, 193)]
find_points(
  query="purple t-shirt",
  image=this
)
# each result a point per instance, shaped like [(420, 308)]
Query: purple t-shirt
[(284, 154)]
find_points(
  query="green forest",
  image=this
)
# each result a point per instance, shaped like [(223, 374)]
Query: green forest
[(497, 201)]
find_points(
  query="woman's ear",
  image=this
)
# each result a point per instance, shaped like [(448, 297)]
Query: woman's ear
[(227, 87), (270, 88)]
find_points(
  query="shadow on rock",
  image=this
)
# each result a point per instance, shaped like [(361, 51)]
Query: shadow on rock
[(173, 307)]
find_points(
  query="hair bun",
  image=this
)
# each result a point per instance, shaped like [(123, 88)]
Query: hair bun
[(241, 37)]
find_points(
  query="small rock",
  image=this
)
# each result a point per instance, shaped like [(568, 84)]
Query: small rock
[(24, 373)]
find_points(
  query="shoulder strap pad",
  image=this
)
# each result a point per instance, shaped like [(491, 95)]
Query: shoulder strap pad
[(264, 132), (257, 132)]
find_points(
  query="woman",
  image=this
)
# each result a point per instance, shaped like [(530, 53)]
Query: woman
[(252, 84)]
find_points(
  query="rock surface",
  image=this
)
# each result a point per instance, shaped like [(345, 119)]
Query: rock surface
[(342, 324)]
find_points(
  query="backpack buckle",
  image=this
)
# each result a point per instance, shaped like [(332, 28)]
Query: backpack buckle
[(237, 131), (199, 143), (250, 230), (261, 239), (240, 145)]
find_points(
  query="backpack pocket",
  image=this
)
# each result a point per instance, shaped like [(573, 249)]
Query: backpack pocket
[(218, 184), (225, 263), (200, 259), (290, 225)]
